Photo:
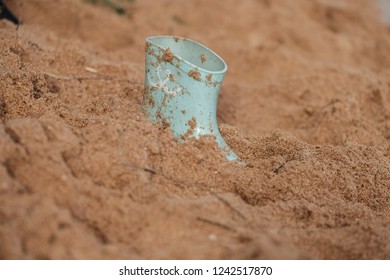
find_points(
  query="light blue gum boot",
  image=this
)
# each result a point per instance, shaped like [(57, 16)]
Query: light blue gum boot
[(182, 83)]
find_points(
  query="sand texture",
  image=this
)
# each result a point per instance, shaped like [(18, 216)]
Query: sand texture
[(305, 104)]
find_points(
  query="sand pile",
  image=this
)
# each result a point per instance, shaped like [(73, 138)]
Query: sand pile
[(306, 104)]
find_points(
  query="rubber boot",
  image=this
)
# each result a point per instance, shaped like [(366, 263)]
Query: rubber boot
[(182, 83)]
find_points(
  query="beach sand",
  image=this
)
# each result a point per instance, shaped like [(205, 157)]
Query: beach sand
[(305, 104)]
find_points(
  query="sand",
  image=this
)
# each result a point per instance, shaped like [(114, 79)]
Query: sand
[(305, 104)]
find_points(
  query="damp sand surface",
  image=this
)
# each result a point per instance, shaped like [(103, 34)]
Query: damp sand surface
[(83, 174)]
